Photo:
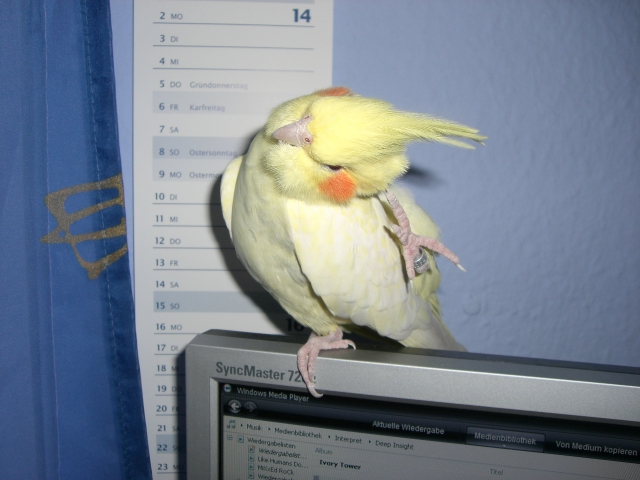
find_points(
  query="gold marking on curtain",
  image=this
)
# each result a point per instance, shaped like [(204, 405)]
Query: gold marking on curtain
[(62, 234)]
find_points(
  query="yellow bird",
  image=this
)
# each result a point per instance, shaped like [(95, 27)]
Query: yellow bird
[(314, 217)]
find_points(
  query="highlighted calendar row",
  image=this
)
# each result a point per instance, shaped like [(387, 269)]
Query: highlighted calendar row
[(218, 103), (168, 302)]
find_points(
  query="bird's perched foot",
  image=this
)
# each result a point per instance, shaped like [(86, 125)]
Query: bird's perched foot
[(308, 354), (415, 259)]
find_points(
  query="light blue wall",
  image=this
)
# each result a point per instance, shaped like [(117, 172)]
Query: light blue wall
[(546, 217)]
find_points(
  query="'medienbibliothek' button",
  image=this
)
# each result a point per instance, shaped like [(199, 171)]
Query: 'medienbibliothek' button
[(488, 437)]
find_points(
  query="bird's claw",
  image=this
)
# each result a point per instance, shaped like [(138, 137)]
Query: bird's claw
[(308, 354), (412, 244)]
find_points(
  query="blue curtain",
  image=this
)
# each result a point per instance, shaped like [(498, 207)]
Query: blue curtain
[(70, 394)]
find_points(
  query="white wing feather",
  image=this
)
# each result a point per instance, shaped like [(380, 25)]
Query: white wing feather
[(228, 188)]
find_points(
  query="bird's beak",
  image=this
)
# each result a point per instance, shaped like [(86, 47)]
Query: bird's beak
[(295, 133)]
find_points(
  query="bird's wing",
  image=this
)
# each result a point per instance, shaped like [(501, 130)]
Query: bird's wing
[(427, 283), (353, 263), (228, 188)]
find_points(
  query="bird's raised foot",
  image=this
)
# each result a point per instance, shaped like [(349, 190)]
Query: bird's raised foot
[(308, 354), (415, 258)]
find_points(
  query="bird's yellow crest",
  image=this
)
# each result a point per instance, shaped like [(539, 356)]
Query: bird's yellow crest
[(333, 145)]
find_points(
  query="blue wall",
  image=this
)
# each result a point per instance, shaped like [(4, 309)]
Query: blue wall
[(546, 217)]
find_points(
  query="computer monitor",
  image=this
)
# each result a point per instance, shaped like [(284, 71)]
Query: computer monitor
[(393, 412)]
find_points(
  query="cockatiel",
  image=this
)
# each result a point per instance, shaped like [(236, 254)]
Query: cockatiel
[(314, 217)]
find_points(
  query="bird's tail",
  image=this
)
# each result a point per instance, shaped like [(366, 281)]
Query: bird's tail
[(428, 338), (433, 333)]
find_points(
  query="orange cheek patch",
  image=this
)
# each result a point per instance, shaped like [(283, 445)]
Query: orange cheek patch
[(340, 187)]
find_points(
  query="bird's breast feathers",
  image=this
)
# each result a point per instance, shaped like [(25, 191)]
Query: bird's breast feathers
[(353, 263)]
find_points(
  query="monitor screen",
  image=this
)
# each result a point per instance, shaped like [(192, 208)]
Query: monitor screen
[(403, 413), (283, 434)]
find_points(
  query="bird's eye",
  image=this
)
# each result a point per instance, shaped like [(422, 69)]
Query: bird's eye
[(335, 168)]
